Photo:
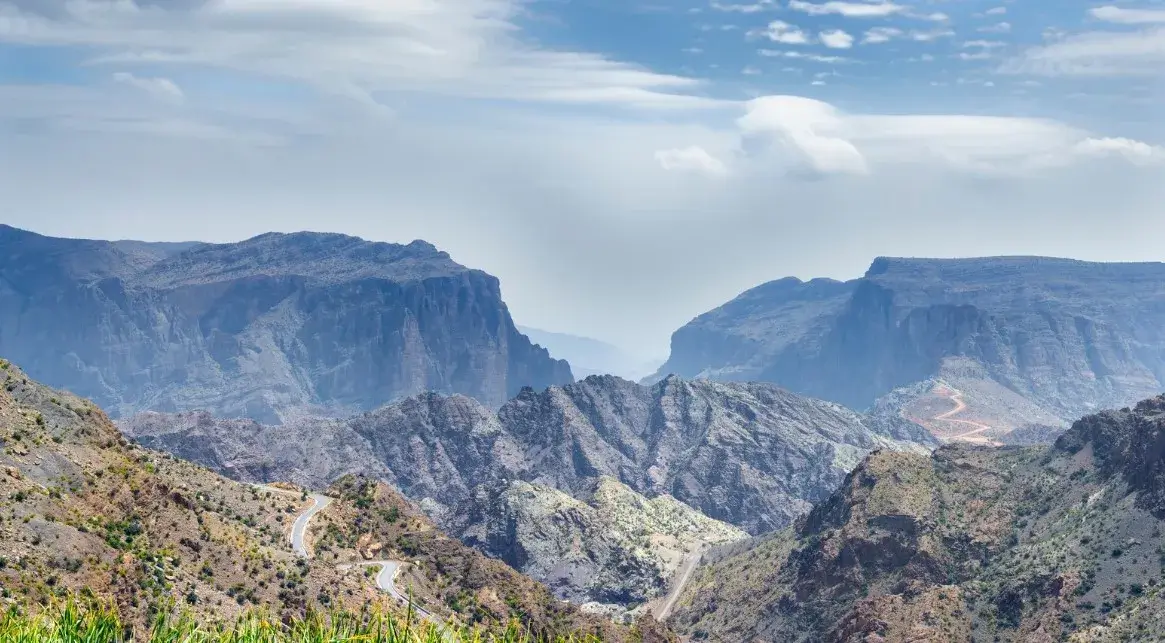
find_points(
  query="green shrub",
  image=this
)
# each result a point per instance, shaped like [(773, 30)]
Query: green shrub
[(69, 622)]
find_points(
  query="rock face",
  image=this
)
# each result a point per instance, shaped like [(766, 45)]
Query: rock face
[(611, 548), (750, 455), (88, 514), (1066, 337), (1041, 543), (261, 327)]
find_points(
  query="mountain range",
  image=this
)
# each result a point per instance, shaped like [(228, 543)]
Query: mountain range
[(1046, 543), (88, 515), (712, 461), (263, 328), (776, 480), (967, 347)]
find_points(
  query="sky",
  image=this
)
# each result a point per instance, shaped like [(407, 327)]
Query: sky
[(621, 165)]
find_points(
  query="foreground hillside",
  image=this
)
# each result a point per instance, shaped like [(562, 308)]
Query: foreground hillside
[(1018, 341), (521, 483), (259, 328), (1013, 544), (84, 513)]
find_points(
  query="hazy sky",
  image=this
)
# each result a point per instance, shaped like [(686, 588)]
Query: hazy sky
[(621, 165)]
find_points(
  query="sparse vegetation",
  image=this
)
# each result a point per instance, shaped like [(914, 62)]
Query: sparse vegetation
[(85, 513), (70, 623)]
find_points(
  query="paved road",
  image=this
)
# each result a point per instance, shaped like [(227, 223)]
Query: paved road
[(385, 579), (318, 504), (297, 530), (691, 561)]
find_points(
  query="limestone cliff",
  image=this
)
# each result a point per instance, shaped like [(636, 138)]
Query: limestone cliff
[(260, 328), (1039, 340)]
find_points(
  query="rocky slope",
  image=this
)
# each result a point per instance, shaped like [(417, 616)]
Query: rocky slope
[(973, 544), (261, 327), (83, 512), (750, 455), (610, 550), (1040, 340)]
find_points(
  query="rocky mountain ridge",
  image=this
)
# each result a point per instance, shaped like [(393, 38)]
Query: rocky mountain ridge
[(1044, 543), (261, 328), (1043, 340), (87, 514), (748, 455)]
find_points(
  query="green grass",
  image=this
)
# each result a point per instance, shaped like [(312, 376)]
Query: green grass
[(69, 622)]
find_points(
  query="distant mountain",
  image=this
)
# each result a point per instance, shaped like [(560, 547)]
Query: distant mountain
[(1045, 543), (590, 356), (1015, 340), (260, 328), (701, 455), (88, 514)]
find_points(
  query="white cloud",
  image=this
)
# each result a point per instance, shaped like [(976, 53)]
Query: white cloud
[(931, 36), (829, 141), (774, 53), (475, 178), (836, 39), (879, 35), (999, 27), (756, 7), (1128, 16), (1099, 53), (1134, 151), (784, 33), (354, 48), (984, 44), (848, 9), (691, 159), (996, 11), (162, 88), (807, 128)]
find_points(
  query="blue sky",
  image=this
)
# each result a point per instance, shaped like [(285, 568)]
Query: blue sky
[(621, 166), (902, 57)]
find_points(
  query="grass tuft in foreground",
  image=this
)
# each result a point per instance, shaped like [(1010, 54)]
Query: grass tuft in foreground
[(69, 622)]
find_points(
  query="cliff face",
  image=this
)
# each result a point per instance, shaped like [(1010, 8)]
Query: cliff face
[(538, 482), (1058, 542), (257, 328), (1067, 336)]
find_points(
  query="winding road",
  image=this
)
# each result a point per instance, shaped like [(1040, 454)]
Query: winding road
[(385, 579), (297, 530), (956, 396)]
